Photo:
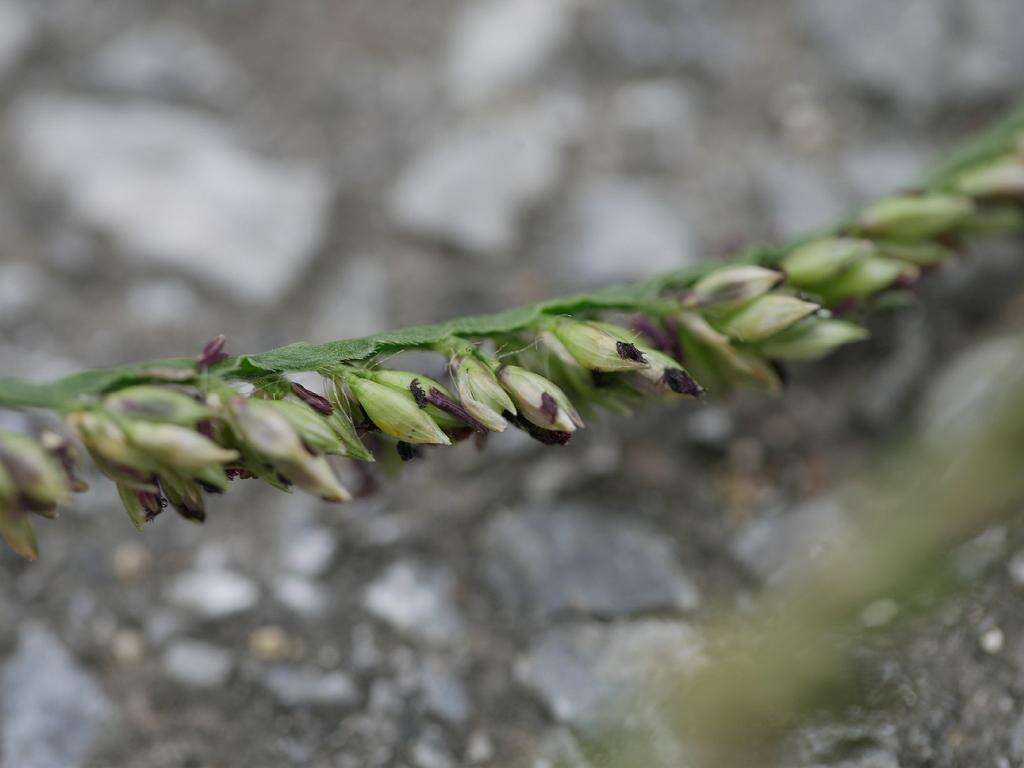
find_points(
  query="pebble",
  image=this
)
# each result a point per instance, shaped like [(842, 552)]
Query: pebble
[(499, 44), (416, 599), (544, 561), (198, 664), (444, 694), (213, 593), (270, 643), (310, 686), (993, 641), (51, 709), (229, 217)]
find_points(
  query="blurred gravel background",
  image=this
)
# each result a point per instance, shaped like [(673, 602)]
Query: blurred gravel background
[(316, 169)]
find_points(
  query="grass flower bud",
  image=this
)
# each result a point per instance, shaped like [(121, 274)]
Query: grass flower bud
[(436, 401), (538, 400), (664, 373), (865, 278), (185, 496), (925, 253), (109, 446), (132, 505), (915, 217), (812, 339), (395, 412), (39, 481), (820, 260), (766, 316), (733, 286), (1002, 178), (314, 474), (995, 220), (15, 527), (177, 447), (480, 392), (162, 404), (314, 430), (596, 349)]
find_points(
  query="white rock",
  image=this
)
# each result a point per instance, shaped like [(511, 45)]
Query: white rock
[(470, 187), (163, 303), (497, 44), (416, 598), (17, 29), (174, 187), (298, 686), (51, 710), (213, 593), (622, 229), (165, 60), (302, 596), (198, 664), (308, 551), (356, 303), (21, 285)]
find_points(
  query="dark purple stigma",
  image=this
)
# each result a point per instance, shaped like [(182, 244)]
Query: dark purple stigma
[(318, 403), (188, 512), (660, 339), (407, 451), (418, 394), (439, 399), (680, 383), (545, 436), (629, 351), (212, 353), (549, 407)]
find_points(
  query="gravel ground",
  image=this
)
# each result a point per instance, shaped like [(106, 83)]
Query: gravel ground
[(316, 169)]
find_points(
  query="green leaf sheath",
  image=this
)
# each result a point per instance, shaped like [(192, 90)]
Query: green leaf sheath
[(63, 394)]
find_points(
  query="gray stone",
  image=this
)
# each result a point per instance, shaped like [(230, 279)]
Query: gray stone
[(921, 53), (429, 750), (22, 285), (645, 35), (654, 123), (310, 686), (444, 694), (176, 188), (588, 674), (800, 197), (623, 229), (416, 599), (711, 427), (17, 30), (198, 664), (213, 593), (545, 561), (165, 60), (470, 187), (884, 168), (770, 546), (497, 44), (356, 303), (308, 550), (52, 709), (167, 303), (301, 595)]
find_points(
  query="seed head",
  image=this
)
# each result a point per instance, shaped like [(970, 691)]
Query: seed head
[(733, 286), (161, 404), (823, 259), (1002, 178), (766, 316), (39, 481), (395, 412), (596, 349), (812, 339), (15, 527), (539, 401), (480, 392), (177, 447), (866, 277), (915, 217)]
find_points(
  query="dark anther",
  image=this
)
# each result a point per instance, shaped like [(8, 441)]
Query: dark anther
[(418, 394), (549, 407), (206, 429), (545, 436), (407, 451), (212, 353), (209, 487), (681, 384), (191, 513), (237, 473), (781, 371), (602, 379), (629, 351), (318, 403), (440, 400), (152, 504)]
